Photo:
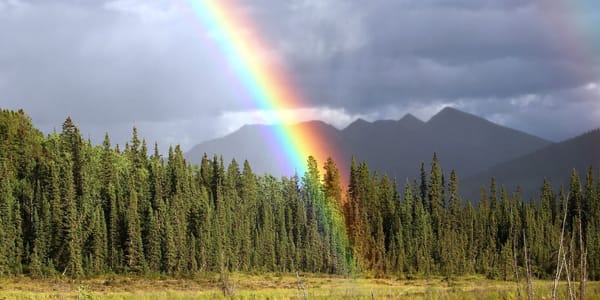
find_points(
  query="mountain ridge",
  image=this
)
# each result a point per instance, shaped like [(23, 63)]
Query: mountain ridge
[(464, 142)]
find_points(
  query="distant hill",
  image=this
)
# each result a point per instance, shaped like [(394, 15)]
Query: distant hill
[(464, 142), (554, 163)]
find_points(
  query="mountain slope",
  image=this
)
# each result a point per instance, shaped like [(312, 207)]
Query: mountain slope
[(554, 163), (464, 142), (471, 143)]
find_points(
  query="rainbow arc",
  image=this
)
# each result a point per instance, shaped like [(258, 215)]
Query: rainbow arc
[(269, 87)]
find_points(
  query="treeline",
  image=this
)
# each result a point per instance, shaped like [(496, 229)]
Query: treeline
[(428, 229), (69, 207)]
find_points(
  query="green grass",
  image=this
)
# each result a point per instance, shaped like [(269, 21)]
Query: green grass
[(272, 286)]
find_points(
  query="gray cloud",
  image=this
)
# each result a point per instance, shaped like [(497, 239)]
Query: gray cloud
[(112, 64)]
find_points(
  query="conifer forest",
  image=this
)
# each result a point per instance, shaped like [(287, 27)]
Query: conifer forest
[(71, 207)]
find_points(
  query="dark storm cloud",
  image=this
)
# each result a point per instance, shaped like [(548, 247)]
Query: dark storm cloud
[(426, 52), (76, 58), (112, 64), (470, 54)]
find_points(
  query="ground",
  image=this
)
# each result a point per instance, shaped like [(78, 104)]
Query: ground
[(274, 286)]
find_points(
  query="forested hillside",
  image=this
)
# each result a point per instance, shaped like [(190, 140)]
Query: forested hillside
[(70, 207)]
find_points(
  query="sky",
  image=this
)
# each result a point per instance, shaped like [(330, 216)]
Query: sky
[(533, 65)]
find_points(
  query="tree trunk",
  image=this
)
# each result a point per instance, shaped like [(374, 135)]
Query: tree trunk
[(560, 255), (528, 270), (516, 267), (582, 259)]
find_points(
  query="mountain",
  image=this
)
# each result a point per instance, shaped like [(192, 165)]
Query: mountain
[(554, 163), (470, 144), (464, 142), (255, 144)]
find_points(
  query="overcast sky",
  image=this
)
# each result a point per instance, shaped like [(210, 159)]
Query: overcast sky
[(527, 64)]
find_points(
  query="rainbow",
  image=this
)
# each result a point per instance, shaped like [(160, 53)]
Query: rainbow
[(269, 86), (576, 26), (271, 90)]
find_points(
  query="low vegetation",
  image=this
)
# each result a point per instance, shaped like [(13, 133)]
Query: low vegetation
[(273, 286)]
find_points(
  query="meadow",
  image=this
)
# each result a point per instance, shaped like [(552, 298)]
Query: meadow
[(275, 286)]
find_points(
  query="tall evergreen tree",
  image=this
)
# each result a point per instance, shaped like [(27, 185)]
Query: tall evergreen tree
[(71, 259), (134, 254)]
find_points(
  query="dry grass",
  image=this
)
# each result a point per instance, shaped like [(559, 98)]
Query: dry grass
[(268, 286)]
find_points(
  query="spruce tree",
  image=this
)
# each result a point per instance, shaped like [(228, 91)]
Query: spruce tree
[(437, 206), (134, 255), (332, 183), (593, 240), (71, 225), (153, 246)]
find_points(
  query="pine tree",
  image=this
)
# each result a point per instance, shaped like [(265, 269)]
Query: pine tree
[(109, 202), (40, 248), (98, 242), (423, 234), (56, 238), (168, 243), (298, 222), (248, 196), (71, 225), (575, 200), (72, 144), (408, 214), (351, 208), (454, 232), (593, 240), (192, 266), (332, 183), (10, 221), (423, 188), (134, 255), (437, 206), (153, 246)]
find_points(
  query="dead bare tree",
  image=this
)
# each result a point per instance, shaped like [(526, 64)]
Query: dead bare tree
[(571, 267), (516, 269), (582, 258), (227, 286), (515, 237), (568, 274), (583, 282), (527, 269), (560, 256), (301, 286)]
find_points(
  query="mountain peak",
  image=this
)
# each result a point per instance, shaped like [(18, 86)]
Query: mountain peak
[(410, 119), (448, 112), (301, 123), (452, 116), (318, 126), (313, 123), (358, 123)]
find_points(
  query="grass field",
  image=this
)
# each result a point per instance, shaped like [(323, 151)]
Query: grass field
[(273, 286)]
